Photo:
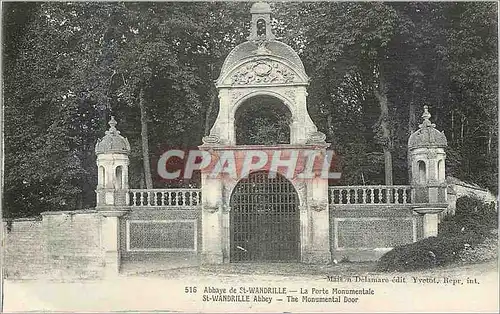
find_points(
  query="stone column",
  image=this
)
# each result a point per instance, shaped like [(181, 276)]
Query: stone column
[(110, 235), (430, 214), (318, 251), (211, 220), (430, 225)]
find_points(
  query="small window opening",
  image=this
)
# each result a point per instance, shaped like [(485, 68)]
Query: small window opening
[(261, 27), (101, 178), (118, 177), (440, 171), (422, 172)]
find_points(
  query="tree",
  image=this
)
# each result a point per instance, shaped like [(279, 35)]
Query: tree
[(68, 66)]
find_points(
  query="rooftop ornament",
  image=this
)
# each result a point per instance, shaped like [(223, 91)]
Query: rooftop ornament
[(427, 136), (112, 142)]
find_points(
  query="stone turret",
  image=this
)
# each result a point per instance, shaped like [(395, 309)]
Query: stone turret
[(427, 159), (112, 163), (426, 156)]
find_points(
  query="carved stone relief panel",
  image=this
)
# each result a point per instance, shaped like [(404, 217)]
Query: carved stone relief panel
[(263, 72)]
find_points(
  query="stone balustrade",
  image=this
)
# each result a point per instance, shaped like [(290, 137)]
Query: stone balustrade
[(338, 195), (181, 198), (370, 194)]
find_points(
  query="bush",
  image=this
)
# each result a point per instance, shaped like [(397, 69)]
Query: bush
[(460, 238), (484, 251), (471, 216), (426, 253)]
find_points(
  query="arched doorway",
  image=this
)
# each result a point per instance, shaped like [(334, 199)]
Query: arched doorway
[(264, 219), (262, 120)]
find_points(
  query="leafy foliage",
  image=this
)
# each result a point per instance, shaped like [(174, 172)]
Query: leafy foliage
[(68, 66), (458, 236)]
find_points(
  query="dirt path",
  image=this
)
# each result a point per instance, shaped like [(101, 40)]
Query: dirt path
[(174, 290)]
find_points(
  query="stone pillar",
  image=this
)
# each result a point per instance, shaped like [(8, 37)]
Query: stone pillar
[(318, 248), (212, 227), (110, 235), (426, 156), (112, 193), (430, 225), (110, 241)]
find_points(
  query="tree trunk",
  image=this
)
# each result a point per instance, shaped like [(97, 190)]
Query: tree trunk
[(490, 139), (329, 124), (385, 134), (213, 98), (412, 121), (388, 166), (462, 130), (452, 127), (141, 182), (145, 142)]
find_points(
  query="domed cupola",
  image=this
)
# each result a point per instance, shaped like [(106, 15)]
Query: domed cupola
[(262, 45), (427, 136), (427, 156), (112, 163), (267, 71), (112, 142)]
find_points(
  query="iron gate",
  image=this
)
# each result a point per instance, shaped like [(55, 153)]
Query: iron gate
[(265, 220)]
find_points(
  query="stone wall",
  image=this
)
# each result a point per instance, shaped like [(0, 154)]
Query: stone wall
[(172, 238), (60, 245), (458, 188), (364, 232), (24, 255), (72, 243)]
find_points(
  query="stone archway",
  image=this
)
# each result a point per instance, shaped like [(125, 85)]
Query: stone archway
[(264, 219), (264, 67), (263, 120)]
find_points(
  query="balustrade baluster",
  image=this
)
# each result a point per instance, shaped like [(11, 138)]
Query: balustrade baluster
[(160, 200), (155, 199), (169, 198), (404, 196), (179, 199), (363, 195), (141, 199), (396, 196), (348, 194), (195, 198), (372, 196), (134, 198)]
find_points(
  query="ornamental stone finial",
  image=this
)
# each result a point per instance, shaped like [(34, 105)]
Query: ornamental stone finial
[(426, 115), (427, 135), (112, 142), (112, 126)]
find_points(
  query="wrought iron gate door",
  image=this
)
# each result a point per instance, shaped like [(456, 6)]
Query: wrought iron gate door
[(265, 220)]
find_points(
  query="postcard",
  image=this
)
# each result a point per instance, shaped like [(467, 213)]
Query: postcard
[(231, 156)]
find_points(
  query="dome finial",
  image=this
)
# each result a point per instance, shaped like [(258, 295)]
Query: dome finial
[(112, 142), (112, 126), (260, 7), (426, 115)]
